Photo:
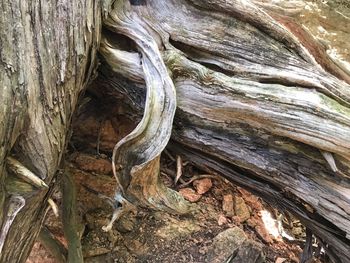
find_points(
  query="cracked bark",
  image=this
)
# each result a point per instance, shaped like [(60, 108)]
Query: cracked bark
[(257, 102)]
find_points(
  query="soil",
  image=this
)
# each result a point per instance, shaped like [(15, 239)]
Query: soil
[(154, 236), (224, 225)]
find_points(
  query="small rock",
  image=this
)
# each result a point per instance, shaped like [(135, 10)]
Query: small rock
[(203, 185), (175, 228), (241, 209), (222, 220), (227, 205), (224, 244), (96, 218), (232, 245), (249, 252), (137, 248), (189, 194), (262, 233), (260, 229), (251, 200), (294, 259), (96, 242)]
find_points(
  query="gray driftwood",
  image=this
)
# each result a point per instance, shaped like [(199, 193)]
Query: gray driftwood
[(254, 103)]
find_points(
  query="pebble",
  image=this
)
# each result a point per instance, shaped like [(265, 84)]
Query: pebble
[(189, 194), (203, 185)]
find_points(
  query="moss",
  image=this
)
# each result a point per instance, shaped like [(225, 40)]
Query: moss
[(334, 105)]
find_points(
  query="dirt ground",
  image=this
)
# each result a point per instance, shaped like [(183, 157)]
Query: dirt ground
[(225, 219), (227, 223)]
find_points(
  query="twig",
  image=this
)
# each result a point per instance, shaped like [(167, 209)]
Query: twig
[(197, 177), (54, 246), (21, 171), (69, 219), (16, 203), (53, 206), (178, 169)]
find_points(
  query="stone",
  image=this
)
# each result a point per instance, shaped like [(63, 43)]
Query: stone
[(203, 185), (175, 228), (126, 223), (241, 209), (263, 234), (96, 242), (227, 205), (249, 252), (190, 195), (232, 245), (251, 200), (260, 229), (224, 245)]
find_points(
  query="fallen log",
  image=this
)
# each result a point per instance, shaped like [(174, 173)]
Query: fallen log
[(254, 104)]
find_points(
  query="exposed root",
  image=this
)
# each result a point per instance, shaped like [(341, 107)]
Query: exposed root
[(71, 225), (135, 159)]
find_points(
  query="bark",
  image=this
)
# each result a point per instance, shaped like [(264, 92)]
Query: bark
[(48, 53), (256, 103), (257, 99)]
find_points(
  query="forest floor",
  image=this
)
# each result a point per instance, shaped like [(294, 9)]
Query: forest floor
[(226, 221)]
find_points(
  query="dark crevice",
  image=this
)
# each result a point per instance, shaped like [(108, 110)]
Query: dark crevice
[(194, 54), (119, 41)]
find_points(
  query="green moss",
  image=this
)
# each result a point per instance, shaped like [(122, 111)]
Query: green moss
[(335, 105)]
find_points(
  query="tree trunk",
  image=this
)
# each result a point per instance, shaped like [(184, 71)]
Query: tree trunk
[(48, 54), (257, 100)]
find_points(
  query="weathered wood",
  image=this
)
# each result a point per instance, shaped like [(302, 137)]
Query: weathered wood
[(138, 154), (48, 53), (253, 103)]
